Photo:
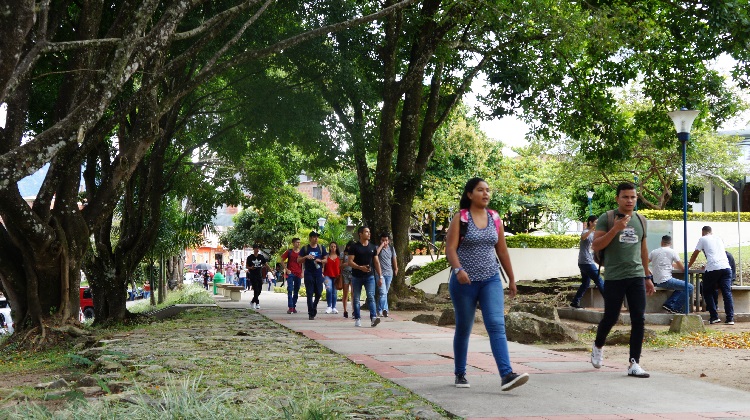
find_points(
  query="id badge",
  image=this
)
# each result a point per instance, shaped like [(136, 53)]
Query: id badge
[(628, 236)]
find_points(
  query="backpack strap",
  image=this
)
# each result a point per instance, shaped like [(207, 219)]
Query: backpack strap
[(464, 223), (642, 219), (495, 218)]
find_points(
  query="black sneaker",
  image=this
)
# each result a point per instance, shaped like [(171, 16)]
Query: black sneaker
[(346, 314), (311, 317), (668, 309), (714, 321), (514, 380), (730, 321), (461, 381), (374, 322), (385, 313), (576, 305)]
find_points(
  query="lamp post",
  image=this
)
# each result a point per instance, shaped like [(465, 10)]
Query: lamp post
[(321, 223), (683, 122), (590, 195), (739, 237)]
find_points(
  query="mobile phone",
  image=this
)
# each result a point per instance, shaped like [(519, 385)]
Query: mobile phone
[(619, 216)]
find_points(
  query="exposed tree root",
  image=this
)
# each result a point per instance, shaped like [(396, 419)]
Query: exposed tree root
[(71, 330)]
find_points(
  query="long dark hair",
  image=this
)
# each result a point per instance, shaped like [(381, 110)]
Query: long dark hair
[(465, 202)]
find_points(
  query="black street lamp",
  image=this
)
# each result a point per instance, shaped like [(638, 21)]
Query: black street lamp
[(683, 122)]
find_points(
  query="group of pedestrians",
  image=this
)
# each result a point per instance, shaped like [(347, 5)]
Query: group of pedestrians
[(357, 267)]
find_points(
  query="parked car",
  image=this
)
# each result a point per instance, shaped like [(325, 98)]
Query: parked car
[(6, 321), (87, 302)]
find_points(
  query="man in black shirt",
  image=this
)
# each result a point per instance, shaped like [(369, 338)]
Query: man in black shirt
[(314, 256), (255, 263), (362, 259)]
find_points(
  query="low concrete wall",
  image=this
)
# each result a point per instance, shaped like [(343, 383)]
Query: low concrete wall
[(528, 264)]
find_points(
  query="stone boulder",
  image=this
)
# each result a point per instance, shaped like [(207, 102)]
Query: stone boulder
[(431, 319), (528, 328), (544, 311), (623, 337), (448, 317), (443, 290)]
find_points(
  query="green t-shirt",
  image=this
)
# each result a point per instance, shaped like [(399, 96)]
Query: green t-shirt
[(622, 257)]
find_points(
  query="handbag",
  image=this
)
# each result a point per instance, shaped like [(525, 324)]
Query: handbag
[(339, 282)]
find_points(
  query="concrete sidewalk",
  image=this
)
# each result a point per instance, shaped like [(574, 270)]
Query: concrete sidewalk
[(562, 386)]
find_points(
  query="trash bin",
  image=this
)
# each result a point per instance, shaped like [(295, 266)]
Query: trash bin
[(218, 278)]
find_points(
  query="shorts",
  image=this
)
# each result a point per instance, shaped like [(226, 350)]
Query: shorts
[(346, 275)]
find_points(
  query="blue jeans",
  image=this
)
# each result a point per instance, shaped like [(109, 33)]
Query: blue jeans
[(243, 282), (313, 290), (369, 283), (723, 280), (330, 291), (677, 300), (588, 272), (293, 284), (383, 294), (489, 294)]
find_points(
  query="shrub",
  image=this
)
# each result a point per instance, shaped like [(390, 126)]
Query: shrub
[(191, 293), (676, 215), (523, 240), (429, 270)]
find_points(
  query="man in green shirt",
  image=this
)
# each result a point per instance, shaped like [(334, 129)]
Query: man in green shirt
[(626, 274)]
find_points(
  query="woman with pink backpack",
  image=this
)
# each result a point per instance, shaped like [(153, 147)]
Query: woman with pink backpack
[(474, 244)]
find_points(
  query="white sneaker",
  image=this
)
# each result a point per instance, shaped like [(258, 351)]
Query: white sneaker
[(597, 356), (328, 310), (637, 371), (357, 323), (334, 310), (257, 306)]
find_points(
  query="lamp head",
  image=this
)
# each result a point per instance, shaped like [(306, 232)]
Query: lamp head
[(590, 194), (683, 119)]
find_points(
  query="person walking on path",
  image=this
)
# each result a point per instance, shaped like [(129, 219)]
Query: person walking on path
[(363, 257), (346, 277), (270, 279), (332, 271), (474, 242), (626, 274), (293, 269), (586, 263), (243, 278), (718, 274), (229, 272), (662, 261), (255, 264), (314, 256), (389, 268)]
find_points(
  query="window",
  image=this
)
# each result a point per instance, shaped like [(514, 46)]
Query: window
[(318, 193)]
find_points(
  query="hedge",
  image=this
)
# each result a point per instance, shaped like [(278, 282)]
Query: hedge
[(429, 270), (523, 240), (676, 215)]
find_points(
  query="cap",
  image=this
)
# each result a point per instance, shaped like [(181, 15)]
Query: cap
[(313, 233)]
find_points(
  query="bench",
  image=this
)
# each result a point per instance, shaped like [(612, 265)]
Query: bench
[(235, 292), (593, 299)]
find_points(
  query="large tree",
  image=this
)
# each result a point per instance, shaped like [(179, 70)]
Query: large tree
[(71, 73)]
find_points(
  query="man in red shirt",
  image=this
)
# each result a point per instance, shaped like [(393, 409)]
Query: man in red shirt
[(293, 269)]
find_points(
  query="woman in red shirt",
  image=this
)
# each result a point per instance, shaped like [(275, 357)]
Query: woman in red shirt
[(331, 271)]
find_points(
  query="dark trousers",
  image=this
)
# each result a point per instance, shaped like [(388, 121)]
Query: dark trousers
[(723, 280), (257, 285), (634, 289), (588, 272), (313, 291)]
